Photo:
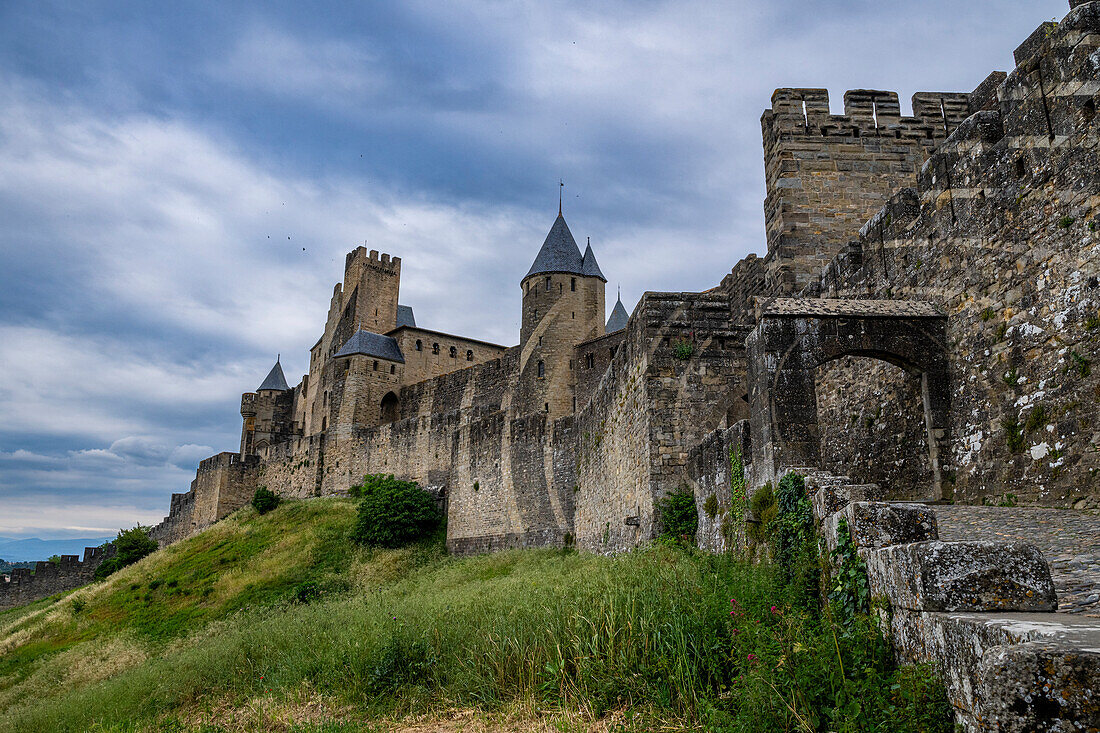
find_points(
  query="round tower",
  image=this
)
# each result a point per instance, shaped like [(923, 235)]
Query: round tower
[(563, 304)]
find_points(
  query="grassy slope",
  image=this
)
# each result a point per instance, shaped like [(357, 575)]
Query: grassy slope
[(207, 630)]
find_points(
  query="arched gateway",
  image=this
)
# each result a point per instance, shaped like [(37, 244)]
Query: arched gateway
[(794, 336)]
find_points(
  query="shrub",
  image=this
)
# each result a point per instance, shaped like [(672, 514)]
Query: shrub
[(682, 349), (677, 516), (393, 513), (264, 500), (130, 546), (794, 543), (764, 510)]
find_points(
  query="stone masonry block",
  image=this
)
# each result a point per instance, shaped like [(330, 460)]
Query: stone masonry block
[(830, 498), (1039, 688), (962, 576), (877, 524)]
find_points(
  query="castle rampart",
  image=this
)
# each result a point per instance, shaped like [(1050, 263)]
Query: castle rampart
[(26, 586)]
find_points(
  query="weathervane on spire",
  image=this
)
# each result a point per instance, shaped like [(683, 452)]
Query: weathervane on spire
[(561, 185)]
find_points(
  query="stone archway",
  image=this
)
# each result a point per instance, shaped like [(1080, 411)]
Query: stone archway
[(794, 336), (389, 409)]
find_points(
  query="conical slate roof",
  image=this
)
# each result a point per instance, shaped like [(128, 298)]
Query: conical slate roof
[(405, 316), (618, 319), (275, 379), (589, 266), (372, 344), (559, 252)]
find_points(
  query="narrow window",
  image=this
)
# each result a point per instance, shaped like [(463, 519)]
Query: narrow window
[(376, 365), (469, 355), (559, 288), (435, 348), (393, 369), (546, 407), (589, 360), (573, 315), (574, 404), (542, 369), (540, 340), (453, 352), (548, 283), (573, 284), (611, 353), (419, 345), (536, 312), (570, 365)]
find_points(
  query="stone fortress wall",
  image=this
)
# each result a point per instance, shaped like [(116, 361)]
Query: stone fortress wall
[(989, 217), (25, 585)]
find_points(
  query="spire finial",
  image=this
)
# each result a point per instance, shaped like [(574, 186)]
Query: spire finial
[(278, 357), (561, 185)]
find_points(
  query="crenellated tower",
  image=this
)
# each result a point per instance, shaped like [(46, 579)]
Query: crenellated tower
[(563, 304), (827, 174)]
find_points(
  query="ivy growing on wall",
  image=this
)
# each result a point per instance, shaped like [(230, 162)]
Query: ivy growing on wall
[(850, 595)]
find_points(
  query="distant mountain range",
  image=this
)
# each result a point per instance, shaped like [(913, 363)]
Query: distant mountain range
[(32, 548)]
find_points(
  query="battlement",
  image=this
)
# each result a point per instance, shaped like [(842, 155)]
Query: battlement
[(874, 112), (372, 259), (224, 460), (25, 585)]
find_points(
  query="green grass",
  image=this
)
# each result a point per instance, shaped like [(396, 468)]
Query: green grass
[(412, 631)]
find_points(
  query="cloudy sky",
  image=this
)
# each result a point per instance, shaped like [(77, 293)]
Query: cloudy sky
[(179, 183)]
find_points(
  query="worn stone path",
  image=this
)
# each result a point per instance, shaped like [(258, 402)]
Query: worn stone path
[(1070, 541)]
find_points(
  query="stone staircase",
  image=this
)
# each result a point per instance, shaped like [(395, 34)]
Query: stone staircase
[(981, 611)]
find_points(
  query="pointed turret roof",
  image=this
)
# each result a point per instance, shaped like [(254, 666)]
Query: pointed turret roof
[(618, 319), (589, 266), (559, 252), (275, 379), (372, 344), (405, 316)]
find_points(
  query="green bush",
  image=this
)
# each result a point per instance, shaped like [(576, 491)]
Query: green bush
[(393, 513), (677, 516), (763, 509), (794, 543), (264, 500), (683, 349), (130, 546)]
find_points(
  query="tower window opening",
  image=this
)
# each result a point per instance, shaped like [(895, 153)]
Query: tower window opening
[(542, 369), (376, 365), (573, 315), (548, 283), (469, 355), (546, 407), (589, 361), (419, 345), (540, 340), (560, 288), (435, 349), (393, 369), (570, 365), (453, 352), (574, 404), (573, 284)]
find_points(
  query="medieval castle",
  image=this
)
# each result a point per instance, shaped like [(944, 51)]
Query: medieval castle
[(926, 321), (925, 317)]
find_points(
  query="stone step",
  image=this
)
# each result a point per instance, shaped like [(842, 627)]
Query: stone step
[(1010, 672), (961, 576), (873, 524)]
